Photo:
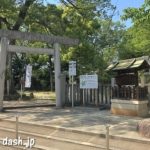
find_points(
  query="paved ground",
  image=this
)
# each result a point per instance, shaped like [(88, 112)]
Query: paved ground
[(82, 119), (79, 118)]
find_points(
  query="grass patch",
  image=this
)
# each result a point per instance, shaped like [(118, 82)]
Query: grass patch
[(40, 94)]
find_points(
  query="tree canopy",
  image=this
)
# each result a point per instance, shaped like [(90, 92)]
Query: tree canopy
[(136, 41), (90, 21)]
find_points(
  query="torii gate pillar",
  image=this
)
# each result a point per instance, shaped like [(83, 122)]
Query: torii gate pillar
[(3, 55), (57, 74)]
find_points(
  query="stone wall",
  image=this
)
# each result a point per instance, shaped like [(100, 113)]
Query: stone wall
[(129, 107)]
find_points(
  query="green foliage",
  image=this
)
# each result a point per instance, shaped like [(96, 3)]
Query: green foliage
[(136, 41), (138, 15), (99, 36), (90, 21)]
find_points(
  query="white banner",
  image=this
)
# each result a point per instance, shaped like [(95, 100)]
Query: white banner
[(72, 68), (88, 81), (28, 76)]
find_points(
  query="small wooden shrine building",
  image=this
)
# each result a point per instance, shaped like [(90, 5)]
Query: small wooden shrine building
[(127, 71), (130, 87)]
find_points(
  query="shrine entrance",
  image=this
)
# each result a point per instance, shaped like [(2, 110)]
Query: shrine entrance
[(7, 35)]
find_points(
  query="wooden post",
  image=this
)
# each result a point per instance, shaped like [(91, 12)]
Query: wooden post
[(3, 55), (57, 74)]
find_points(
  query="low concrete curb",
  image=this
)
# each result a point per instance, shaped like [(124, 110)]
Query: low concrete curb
[(30, 106)]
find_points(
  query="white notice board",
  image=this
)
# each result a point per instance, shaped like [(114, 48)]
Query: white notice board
[(72, 68), (28, 76), (88, 81)]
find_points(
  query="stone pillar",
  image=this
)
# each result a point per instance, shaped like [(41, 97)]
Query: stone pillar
[(3, 55), (63, 88), (57, 74)]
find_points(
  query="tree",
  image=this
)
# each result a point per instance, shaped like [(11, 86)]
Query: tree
[(136, 41), (138, 15), (25, 16), (12, 16), (90, 21), (98, 35)]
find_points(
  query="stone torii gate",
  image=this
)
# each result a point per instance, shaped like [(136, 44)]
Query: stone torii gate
[(7, 35)]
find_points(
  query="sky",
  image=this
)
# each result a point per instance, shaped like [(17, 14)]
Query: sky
[(121, 4)]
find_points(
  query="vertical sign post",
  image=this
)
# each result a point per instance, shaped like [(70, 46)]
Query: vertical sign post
[(72, 73)]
